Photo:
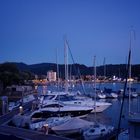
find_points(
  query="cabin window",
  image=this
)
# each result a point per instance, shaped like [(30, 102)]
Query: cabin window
[(37, 115), (54, 105)]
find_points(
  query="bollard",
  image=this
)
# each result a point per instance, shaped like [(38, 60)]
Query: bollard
[(46, 129)]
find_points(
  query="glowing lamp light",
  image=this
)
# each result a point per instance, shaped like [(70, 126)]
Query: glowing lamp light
[(114, 77), (20, 109)]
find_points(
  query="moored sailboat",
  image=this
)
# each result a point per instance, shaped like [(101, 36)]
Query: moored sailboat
[(98, 130)]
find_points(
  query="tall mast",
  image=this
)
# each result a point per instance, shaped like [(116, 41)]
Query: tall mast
[(132, 34), (57, 78), (104, 64), (57, 69), (94, 64), (66, 64), (125, 85), (129, 84)]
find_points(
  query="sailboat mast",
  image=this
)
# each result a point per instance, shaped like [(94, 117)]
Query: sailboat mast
[(57, 69), (104, 64), (66, 65), (125, 85), (94, 64), (132, 34), (129, 90), (57, 77)]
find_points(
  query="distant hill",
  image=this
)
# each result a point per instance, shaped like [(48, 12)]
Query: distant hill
[(42, 68), (22, 66)]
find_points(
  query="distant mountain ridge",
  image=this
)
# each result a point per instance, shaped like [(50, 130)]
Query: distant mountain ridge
[(111, 69)]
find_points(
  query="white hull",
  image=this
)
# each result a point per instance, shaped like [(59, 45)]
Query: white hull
[(100, 106), (97, 131), (114, 95), (101, 96), (54, 109)]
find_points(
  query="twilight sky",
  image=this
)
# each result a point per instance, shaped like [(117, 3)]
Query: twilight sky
[(31, 30)]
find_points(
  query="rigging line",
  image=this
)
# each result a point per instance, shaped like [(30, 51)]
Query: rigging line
[(79, 74), (82, 82)]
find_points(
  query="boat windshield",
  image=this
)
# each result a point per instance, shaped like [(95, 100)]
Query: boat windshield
[(48, 97), (65, 98)]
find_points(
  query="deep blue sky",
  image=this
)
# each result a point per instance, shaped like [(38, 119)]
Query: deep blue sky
[(31, 30)]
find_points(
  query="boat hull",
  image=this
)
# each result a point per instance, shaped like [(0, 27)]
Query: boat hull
[(47, 113)]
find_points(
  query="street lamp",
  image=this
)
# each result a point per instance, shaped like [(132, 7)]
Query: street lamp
[(20, 109)]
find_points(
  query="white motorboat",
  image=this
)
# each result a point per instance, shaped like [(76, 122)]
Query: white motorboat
[(109, 93), (98, 131), (132, 92), (101, 95), (74, 100), (114, 95), (55, 109)]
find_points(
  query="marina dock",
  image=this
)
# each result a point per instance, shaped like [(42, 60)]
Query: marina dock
[(14, 133), (26, 134)]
